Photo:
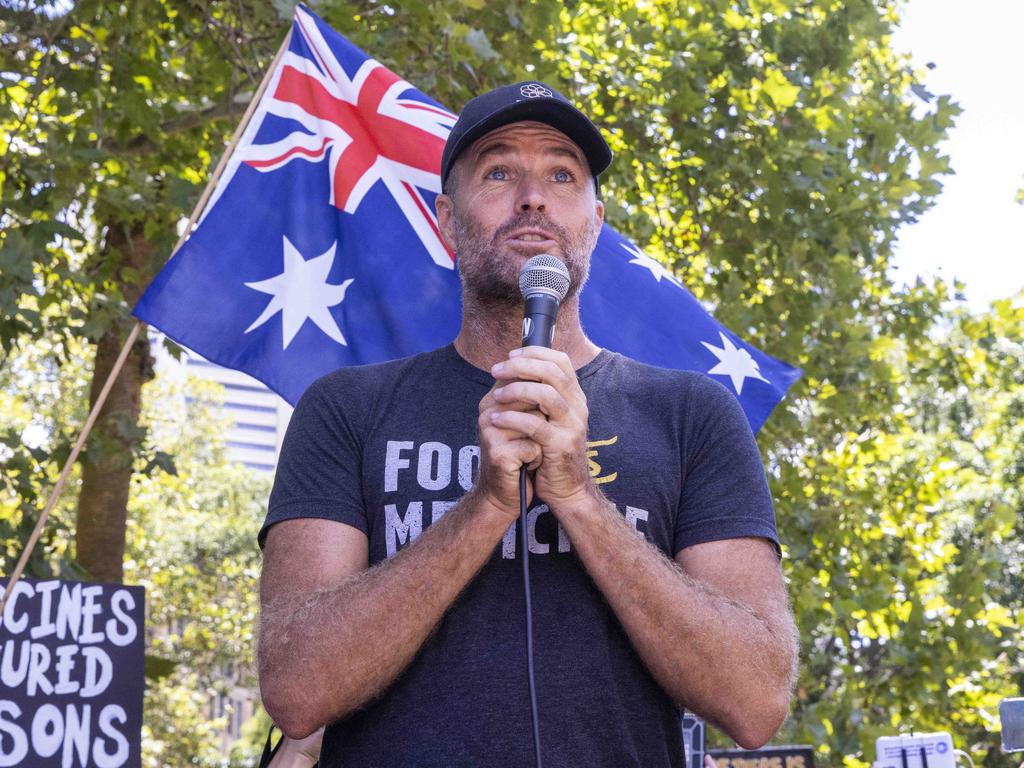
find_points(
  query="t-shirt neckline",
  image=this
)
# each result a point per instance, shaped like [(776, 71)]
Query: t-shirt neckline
[(466, 369)]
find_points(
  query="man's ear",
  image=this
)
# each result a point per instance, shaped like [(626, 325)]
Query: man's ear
[(599, 213), (445, 220)]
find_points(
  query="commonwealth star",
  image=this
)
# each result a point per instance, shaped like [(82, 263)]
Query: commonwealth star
[(734, 362), (301, 292), (656, 268)]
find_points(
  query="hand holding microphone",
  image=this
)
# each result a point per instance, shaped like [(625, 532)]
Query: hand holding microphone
[(537, 395)]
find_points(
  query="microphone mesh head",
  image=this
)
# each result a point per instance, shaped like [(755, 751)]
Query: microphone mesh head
[(544, 274)]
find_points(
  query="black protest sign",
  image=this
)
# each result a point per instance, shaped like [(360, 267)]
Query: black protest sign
[(71, 675), (768, 757)]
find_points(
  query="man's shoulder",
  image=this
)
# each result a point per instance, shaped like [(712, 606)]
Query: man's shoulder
[(664, 382), (377, 375), (353, 393)]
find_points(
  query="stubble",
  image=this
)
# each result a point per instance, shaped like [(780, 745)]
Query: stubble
[(489, 271)]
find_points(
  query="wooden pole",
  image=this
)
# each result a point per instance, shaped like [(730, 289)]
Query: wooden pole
[(65, 472)]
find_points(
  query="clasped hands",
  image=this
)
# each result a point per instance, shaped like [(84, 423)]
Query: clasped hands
[(535, 415)]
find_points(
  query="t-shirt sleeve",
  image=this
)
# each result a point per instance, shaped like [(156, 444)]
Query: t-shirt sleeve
[(725, 493), (318, 472)]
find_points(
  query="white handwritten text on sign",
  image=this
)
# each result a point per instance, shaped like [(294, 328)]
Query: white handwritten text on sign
[(71, 675)]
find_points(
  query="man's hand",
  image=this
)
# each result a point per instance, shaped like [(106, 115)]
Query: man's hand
[(502, 452), (538, 401), (298, 753)]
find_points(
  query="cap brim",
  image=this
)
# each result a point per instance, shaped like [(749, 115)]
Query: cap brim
[(559, 115)]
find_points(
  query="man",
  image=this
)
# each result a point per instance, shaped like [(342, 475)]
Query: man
[(391, 591)]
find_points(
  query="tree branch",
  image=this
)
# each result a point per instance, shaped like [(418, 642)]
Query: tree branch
[(184, 123)]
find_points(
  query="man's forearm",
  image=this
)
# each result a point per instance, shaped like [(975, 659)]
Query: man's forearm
[(325, 653), (708, 652)]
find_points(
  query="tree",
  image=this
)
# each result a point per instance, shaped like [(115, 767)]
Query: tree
[(191, 543), (768, 151), (41, 402), (191, 539), (917, 594), (108, 131)]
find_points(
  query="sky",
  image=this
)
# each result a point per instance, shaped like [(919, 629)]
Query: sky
[(975, 232)]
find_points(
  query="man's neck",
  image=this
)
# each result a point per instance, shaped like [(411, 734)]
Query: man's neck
[(489, 331)]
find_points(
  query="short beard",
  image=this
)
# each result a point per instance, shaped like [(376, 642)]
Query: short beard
[(490, 279)]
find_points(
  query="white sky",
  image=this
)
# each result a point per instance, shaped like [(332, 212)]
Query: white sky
[(975, 232)]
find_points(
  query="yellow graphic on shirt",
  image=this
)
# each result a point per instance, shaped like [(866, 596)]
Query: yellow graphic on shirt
[(595, 468)]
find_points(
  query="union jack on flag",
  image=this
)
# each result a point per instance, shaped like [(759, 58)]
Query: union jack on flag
[(370, 123), (320, 248)]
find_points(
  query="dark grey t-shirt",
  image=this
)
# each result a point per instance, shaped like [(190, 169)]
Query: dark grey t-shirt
[(390, 448)]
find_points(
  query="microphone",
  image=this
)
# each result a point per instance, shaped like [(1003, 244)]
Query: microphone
[(544, 282)]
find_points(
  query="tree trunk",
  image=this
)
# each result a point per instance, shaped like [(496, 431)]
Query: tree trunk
[(116, 437)]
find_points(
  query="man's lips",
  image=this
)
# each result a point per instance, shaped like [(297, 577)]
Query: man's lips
[(531, 237)]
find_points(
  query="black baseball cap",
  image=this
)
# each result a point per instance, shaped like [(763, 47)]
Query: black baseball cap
[(528, 100)]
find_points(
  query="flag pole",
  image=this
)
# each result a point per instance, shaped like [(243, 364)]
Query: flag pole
[(133, 335)]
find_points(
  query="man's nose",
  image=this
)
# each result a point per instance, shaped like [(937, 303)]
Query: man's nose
[(530, 194)]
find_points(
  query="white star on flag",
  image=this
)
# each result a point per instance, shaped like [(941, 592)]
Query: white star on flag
[(302, 293), (658, 269), (734, 362)]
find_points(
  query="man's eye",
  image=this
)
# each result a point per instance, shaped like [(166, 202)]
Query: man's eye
[(497, 174), (564, 176)]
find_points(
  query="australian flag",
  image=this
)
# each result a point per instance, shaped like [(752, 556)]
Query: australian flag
[(320, 248)]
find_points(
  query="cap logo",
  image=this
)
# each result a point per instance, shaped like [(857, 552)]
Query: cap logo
[(533, 90)]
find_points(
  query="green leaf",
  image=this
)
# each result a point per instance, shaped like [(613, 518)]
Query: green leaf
[(782, 93), (157, 668), (734, 20), (161, 460), (921, 92)]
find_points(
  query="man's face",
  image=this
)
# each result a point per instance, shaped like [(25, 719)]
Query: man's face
[(521, 190)]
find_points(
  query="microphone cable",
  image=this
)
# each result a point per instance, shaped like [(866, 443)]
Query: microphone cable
[(524, 548)]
